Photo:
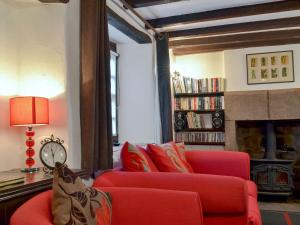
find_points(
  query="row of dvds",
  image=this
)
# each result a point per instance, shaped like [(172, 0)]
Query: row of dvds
[(195, 120), (191, 85), (199, 103), (217, 137)]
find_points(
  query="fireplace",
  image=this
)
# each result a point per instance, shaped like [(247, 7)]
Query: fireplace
[(273, 176), (266, 124)]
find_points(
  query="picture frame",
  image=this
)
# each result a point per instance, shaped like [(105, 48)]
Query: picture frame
[(270, 67)]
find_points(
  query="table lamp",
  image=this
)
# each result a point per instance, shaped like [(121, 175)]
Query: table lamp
[(29, 112)]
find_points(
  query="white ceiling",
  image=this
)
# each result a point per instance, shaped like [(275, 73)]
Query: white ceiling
[(19, 4), (192, 6)]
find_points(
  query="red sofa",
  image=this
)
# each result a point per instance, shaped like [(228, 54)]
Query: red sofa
[(131, 206), (221, 178)]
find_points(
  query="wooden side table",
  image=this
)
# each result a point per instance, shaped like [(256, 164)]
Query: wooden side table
[(13, 196)]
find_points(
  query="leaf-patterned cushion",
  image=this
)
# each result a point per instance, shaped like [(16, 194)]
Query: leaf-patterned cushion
[(135, 159), (167, 159), (180, 147), (75, 204)]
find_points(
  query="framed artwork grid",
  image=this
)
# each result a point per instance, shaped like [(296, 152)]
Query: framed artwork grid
[(271, 67)]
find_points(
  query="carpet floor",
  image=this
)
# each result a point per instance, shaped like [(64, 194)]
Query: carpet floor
[(280, 218)]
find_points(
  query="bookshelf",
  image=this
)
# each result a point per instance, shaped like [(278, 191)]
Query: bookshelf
[(198, 104)]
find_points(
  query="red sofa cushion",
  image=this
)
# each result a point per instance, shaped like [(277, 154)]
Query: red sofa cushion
[(229, 163), (154, 207), (218, 194), (166, 158), (135, 159)]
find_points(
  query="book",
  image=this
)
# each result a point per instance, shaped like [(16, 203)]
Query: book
[(9, 179), (216, 137), (199, 103), (191, 85)]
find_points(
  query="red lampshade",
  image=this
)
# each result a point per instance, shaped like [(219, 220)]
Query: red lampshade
[(29, 111)]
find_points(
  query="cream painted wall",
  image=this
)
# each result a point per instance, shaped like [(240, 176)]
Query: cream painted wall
[(231, 64), (10, 148), (45, 41), (137, 111), (236, 69), (199, 65)]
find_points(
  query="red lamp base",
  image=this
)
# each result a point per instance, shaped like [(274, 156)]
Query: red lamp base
[(30, 152)]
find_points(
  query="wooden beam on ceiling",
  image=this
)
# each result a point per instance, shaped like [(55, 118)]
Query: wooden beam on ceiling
[(54, 1), (238, 27), (229, 46), (126, 28), (238, 38), (226, 13), (147, 3)]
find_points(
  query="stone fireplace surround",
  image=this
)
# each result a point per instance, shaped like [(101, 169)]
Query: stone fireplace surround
[(256, 106), (268, 105)]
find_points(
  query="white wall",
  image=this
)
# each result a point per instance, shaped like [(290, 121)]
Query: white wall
[(138, 113), (10, 148), (236, 68), (45, 43), (137, 118), (199, 65)]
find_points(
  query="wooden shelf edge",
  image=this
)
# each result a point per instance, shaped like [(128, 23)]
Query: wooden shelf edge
[(199, 111), (204, 143), (201, 130), (206, 94)]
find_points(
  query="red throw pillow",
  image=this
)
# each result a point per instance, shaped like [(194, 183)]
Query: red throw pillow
[(135, 159), (166, 158), (180, 147)]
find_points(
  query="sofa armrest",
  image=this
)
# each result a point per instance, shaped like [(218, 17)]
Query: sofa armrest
[(35, 211), (135, 206), (226, 163), (159, 207), (218, 194)]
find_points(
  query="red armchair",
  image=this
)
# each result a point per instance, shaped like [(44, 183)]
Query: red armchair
[(221, 179), (131, 206)]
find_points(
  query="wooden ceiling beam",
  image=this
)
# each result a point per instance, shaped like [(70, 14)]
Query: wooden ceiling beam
[(54, 1), (226, 13), (238, 38), (126, 28), (238, 27), (147, 3), (230, 46)]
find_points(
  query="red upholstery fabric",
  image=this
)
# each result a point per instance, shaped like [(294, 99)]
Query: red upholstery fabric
[(224, 220), (135, 159), (166, 158), (227, 163), (154, 207), (252, 189), (35, 211), (218, 194), (254, 216), (160, 207)]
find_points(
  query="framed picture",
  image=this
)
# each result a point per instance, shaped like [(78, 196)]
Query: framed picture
[(271, 67)]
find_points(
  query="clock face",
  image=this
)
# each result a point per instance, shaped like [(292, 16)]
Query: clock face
[(51, 153)]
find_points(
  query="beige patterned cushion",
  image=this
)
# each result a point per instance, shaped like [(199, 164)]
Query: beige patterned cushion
[(75, 204)]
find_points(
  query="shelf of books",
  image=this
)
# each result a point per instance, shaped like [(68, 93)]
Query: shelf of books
[(199, 110)]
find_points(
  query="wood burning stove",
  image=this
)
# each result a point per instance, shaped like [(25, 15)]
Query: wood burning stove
[(273, 176)]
